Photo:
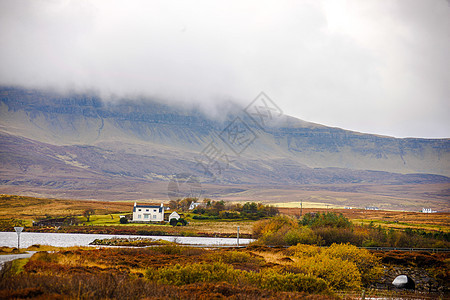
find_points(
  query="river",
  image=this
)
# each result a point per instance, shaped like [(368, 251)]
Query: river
[(9, 239)]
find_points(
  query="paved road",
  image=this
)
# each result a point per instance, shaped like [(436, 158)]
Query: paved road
[(10, 257)]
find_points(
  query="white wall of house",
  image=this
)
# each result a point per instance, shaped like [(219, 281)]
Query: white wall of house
[(148, 213)]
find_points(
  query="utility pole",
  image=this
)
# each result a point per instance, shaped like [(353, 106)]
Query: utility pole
[(301, 207)]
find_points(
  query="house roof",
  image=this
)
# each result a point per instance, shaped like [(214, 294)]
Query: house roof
[(159, 207)]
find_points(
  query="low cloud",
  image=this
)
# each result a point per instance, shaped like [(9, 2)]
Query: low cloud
[(371, 66)]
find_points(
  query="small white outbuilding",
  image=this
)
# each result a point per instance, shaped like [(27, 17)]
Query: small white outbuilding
[(174, 215)]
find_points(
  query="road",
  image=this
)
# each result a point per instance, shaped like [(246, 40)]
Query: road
[(10, 257)]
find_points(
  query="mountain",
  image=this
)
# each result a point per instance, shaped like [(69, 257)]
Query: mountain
[(76, 145)]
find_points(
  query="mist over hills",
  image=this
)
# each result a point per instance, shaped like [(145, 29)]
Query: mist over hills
[(77, 142)]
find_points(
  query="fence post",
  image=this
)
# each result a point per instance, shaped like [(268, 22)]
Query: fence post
[(238, 236)]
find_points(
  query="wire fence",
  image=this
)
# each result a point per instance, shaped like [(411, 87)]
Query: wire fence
[(389, 294)]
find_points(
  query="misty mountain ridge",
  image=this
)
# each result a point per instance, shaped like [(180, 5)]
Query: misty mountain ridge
[(75, 143), (86, 120)]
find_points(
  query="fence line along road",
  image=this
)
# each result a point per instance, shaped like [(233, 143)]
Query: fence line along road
[(434, 250)]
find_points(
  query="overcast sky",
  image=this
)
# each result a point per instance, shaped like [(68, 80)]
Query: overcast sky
[(371, 66)]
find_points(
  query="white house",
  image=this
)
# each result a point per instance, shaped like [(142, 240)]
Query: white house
[(428, 211), (194, 205), (148, 213)]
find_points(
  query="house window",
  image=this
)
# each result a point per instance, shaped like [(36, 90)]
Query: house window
[(154, 210), (154, 216), (139, 216), (145, 216), (146, 209), (139, 209)]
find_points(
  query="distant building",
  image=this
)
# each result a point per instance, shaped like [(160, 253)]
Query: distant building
[(174, 215), (428, 211), (371, 208), (148, 213), (194, 205)]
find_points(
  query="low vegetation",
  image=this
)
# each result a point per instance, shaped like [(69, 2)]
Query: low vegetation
[(219, 210), (179, 272), (132, 242), (324, 229)]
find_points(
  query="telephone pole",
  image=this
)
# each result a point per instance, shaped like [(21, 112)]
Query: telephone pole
[(301, 208)]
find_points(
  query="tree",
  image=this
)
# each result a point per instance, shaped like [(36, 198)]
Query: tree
[(173, 222), (250, 207), (87, 213), (173, 204), (123, 221), (217, 206)]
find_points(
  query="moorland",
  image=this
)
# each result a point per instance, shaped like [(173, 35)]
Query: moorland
[(315, 255), (255, 272)]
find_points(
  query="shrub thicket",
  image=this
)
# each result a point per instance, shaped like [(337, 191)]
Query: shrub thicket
[(220, 210), (217, 272), (343, 266), (328, 219), (326, 229), (368, 265)]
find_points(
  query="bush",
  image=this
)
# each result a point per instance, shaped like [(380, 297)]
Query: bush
[(9, 224), (302, 235), (333, 235), (218, 271), (328, 219), (368, 264), (339, 274), (343, 266), (303, 250), (123, 221), (288, 282), (173, 222), (284, 231)]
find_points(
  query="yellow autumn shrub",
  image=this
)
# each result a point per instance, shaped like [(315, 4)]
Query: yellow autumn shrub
[(368, 264), (339, 274)]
